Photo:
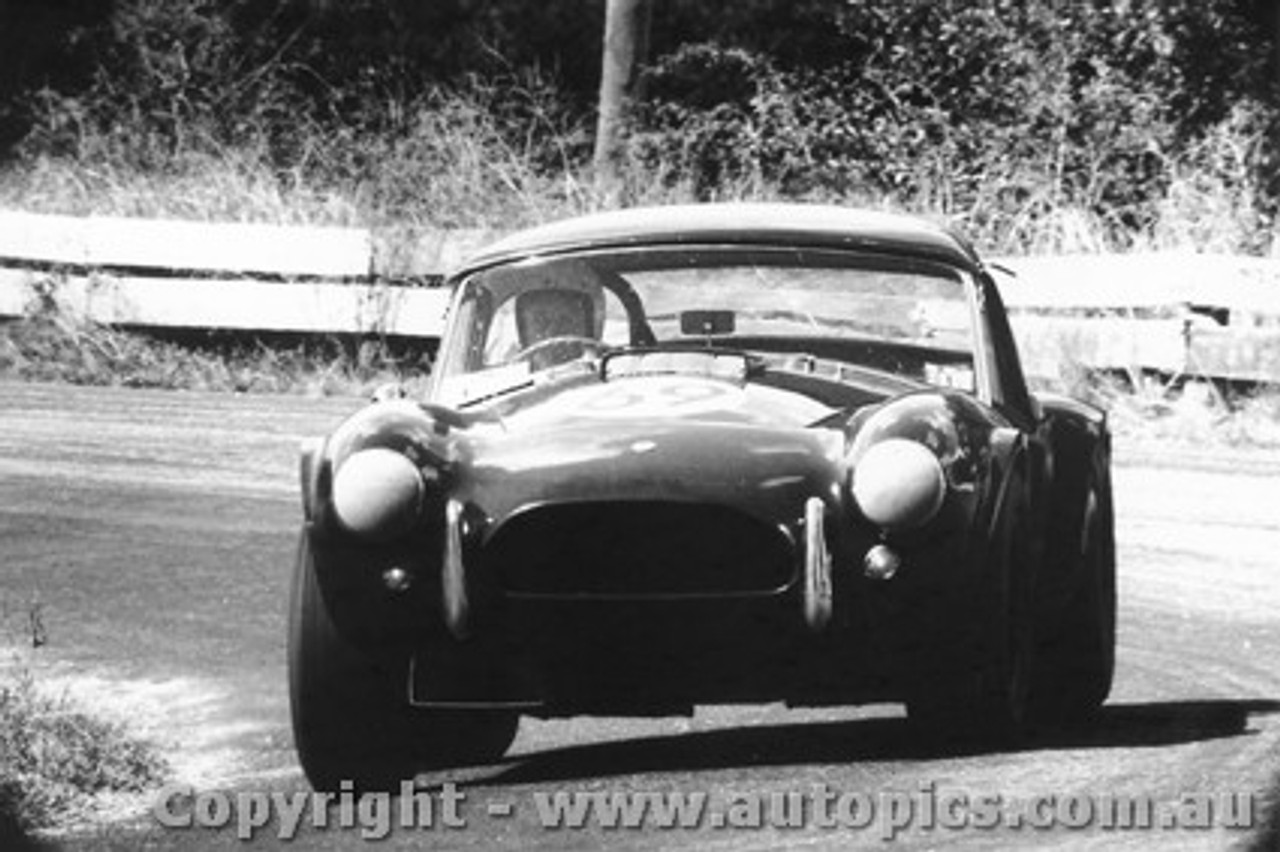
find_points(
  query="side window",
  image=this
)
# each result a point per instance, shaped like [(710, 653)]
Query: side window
[(503, 342), (617, 326), (1010, 384)]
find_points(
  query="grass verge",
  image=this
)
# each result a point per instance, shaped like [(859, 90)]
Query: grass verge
[(59, 762), (53, 348), (1179, 410)]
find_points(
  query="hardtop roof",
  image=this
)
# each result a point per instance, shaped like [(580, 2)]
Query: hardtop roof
[(806, 225)]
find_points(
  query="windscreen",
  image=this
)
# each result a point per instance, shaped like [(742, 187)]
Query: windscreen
[(512, 322)]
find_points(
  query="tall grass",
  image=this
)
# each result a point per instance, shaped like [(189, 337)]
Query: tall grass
[(494, 154), (57, 348), (1145, 408), (457, 158)]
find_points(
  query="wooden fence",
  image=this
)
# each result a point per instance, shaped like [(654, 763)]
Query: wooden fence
[(1176, 313)]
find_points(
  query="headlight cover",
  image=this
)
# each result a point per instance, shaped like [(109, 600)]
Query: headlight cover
[(377, 493), (898, 484)]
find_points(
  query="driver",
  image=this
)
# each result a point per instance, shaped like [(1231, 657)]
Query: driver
[(542, 315), (559, 310)]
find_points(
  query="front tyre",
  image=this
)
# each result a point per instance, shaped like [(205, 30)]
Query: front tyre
[(980, 697), (1077, 666), (351, 718)]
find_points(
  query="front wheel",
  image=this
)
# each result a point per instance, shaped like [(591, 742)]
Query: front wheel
[(1077, 665), (982, 700), (980, 697), (351, 717)]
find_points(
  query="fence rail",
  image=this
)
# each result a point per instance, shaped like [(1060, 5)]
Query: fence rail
[(1177, 313)]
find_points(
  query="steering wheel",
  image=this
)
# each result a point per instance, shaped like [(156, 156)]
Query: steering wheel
[(527, 353)]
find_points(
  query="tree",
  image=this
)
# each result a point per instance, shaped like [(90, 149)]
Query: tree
[(626, 36)]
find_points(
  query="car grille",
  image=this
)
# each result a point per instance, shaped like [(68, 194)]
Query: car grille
[(638, 549)]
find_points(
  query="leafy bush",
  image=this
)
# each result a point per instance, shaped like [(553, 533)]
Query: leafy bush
[(196, 110), (1014, 121)]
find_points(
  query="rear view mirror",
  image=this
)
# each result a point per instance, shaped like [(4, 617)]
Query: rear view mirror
[(706, 322)]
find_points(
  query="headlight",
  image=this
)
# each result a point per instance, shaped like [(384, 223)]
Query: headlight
[(899, 484), (377, 493)]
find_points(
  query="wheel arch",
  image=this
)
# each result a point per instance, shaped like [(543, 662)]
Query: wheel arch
[(1078, 443)]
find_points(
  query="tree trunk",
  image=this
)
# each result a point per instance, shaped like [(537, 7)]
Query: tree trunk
[(626, 36)]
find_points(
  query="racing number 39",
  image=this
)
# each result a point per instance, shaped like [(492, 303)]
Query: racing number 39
[(656, 398)]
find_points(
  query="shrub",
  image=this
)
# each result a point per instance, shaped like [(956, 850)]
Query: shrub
[(1015, 122), (56, 757)]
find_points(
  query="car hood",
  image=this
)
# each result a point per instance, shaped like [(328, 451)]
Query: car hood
[(673, 398), (671, 438)]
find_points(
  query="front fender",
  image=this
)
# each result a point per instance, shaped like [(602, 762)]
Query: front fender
[(1077, 441), (1008, 475)]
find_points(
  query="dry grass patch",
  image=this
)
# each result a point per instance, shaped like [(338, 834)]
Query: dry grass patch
[(55, 348), (60, 764)]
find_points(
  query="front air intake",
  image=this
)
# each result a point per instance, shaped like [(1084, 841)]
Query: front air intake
[(638, 550)]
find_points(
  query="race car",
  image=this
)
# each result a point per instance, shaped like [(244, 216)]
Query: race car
[(689, 455)]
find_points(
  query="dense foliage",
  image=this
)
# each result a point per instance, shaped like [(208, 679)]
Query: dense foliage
[(1130, 120), (1001, 114)]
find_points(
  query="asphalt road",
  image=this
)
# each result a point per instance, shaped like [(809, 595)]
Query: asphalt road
[(154, 531)]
